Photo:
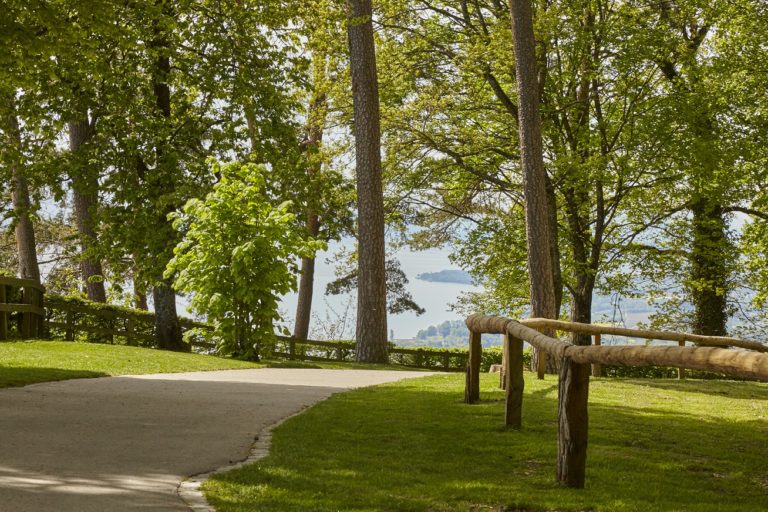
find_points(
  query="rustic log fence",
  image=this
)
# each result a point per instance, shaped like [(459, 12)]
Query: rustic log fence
[(26, 313), (748, 360), (315, 350), (21, 308), (70, 318)]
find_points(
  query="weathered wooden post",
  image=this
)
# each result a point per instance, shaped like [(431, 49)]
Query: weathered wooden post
[(40, 304), (681, 371), (573, 419), (597, 368), (129, 330), (3, 315), (69, 332), (291, 348), (26, 314), (514, 382), (541, 362), (472, 390), (504, 363)]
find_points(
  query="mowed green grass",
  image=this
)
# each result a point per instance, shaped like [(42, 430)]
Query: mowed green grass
[(28, 362), (414, 446)]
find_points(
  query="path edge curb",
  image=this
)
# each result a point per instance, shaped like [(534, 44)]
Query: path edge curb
[(189, 489)]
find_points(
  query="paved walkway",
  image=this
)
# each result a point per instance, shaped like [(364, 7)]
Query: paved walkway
[(125, 443)]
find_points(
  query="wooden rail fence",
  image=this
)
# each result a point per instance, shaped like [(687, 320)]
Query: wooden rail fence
[(21, 308), (315, 350), (67, 318), (748, 360)]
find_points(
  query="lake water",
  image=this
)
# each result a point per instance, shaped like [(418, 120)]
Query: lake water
[(436, 298)]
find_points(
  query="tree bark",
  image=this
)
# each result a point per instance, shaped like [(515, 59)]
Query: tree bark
[(167, 327), (306, 285), (709, 272), (168, 330), (315, 127), (85, 200), (28, 267), (371, 332), (537, 210)]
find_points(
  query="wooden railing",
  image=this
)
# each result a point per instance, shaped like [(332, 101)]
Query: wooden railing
[(70, 318), (315, 350), (748, 361), (27, 310), (66, 318)]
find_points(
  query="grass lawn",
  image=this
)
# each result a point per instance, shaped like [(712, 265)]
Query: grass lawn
[(413, 446), (27, 362)]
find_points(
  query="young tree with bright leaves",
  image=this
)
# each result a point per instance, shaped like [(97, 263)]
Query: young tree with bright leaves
[(237, 258)]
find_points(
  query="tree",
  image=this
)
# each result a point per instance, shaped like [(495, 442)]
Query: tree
[(85, 199), (537, 227), (371, 331), (238, 257)]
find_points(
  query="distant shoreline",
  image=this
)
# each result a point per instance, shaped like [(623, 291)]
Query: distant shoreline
[(453, 276)]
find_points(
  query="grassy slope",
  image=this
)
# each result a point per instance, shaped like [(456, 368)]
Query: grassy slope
[(40, 361), (413, 446)]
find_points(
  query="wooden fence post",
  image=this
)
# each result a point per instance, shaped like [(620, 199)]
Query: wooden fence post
[(681, 371), (504, 362), (472, 389), (69, 332), (40, 303), (514, 382), (573, 423), (26, 317), (541, 363), (3, 315), (597, 368), (129, 328), (291, 348)]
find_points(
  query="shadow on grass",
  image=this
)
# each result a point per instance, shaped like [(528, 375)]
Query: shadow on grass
[(725, 388), (12, 376), (413, 447)]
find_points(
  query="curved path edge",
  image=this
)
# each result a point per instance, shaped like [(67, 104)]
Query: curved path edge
[(190, 489)]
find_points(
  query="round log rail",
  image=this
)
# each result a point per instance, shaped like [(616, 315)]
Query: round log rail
[(713, 341), (573, 391), (737, 363)]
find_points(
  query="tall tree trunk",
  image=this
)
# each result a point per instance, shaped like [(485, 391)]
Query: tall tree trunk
[(709, 270), (371, 332), (315, 126), (139, 294), (167, 327), (168, 332), (25, 231), (85, 184), (306, 285), (537, 209)]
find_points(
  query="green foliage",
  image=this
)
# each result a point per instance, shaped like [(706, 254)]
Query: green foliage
[(238, 257)]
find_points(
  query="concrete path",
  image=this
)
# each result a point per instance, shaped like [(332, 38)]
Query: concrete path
[(125, 443)]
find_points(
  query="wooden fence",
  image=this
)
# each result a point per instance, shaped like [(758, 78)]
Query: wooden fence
[(21, 308), (748, 361), (69, 318), (315, 350)]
